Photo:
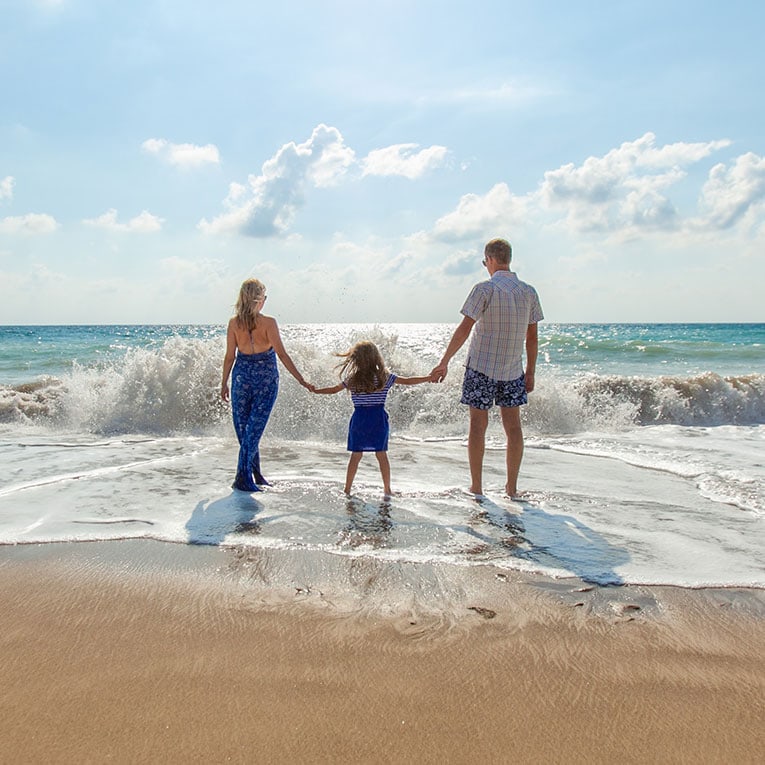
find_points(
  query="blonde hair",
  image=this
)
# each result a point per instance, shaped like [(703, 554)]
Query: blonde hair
[(251, 293), (364, 369)]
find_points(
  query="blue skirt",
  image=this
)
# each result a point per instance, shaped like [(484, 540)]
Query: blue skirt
[(368, 430)]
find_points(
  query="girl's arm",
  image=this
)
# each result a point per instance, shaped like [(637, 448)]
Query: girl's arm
[(272, 332), (228, 360), (411, 380), (334, 389)]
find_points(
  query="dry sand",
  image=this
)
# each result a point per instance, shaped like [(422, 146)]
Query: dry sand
[(144, 652)]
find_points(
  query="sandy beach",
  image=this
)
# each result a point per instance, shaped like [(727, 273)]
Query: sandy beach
[(141, 651)]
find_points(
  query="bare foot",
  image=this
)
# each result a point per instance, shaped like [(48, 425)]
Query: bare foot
[(476, 495)]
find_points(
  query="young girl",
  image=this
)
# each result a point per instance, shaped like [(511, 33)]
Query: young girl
[(252, 346), (364, 374)]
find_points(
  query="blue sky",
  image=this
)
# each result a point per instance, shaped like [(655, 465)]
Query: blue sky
[(355, 156)]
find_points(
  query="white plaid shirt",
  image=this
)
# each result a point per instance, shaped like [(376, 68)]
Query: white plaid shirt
[(503, 307)]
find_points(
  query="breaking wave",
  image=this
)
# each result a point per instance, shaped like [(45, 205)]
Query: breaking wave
[(174, 388)]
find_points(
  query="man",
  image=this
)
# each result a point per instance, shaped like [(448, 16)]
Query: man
[(505, 312)]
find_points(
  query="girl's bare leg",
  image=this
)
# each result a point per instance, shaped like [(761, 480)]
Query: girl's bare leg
[(353, 466), (382, 459)]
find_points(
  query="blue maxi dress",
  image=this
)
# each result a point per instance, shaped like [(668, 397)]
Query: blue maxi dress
[(254, 385)]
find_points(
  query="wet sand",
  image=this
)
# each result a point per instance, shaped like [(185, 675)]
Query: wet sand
[(147, 652)]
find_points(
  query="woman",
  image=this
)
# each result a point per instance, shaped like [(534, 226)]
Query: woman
[(252, 345)]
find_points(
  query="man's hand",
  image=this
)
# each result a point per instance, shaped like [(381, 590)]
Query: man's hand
[(529, 381), (438, 374)]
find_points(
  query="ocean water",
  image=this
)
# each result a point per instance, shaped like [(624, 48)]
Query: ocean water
[(644, 457)]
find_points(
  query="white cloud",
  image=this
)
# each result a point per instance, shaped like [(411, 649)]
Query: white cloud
[(330, 157), (730, 192), (205, 269), (623, 194), (268, 203), (397, 264), (277, 192), (143, 223), (32, 223), (402, 159), (673, 154), (182, 154), (461, 264), (6, 187), (235, 192), (645, 207), (479, 216), (622, 190)]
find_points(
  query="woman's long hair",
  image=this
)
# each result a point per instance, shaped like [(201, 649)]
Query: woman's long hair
[(248, 303), (364, 368)]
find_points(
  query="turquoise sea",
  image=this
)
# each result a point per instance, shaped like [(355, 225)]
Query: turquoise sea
[(643, 462), (639, 349)]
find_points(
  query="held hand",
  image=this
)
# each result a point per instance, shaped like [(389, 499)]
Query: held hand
[(310, 386), (438, 374)]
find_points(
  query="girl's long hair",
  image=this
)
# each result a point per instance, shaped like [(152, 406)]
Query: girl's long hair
[(250, 295), (364, 369)]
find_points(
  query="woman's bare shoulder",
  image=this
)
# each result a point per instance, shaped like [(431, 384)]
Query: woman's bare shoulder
[(269, 322)]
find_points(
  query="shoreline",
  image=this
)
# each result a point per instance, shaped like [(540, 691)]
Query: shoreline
[(146, 651)]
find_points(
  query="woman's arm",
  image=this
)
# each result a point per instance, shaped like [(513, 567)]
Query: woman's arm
[(272, 332), (228, 359)]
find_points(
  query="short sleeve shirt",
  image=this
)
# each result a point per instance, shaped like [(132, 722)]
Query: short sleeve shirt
[(502, 307)]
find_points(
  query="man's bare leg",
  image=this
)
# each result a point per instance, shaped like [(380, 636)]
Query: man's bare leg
[(511, 421), (479, 421)]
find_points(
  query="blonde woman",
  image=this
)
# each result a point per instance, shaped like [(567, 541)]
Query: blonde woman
[(252, 345)]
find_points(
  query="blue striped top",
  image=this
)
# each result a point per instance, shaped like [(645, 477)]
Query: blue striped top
[(376, 398)]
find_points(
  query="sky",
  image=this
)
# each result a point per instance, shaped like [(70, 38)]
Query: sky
[(356, 156)]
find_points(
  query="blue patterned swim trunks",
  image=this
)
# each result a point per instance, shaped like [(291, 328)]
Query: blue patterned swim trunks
[(481, 392)]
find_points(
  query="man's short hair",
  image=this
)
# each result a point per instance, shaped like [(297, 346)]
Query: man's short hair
[(500, 250)]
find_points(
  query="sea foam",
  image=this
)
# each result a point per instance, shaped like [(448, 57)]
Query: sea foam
[(174, 388)]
